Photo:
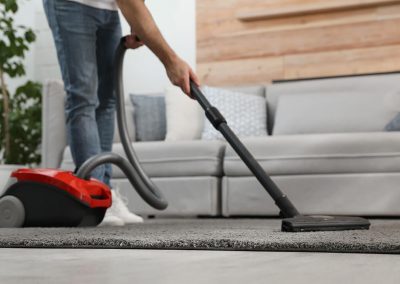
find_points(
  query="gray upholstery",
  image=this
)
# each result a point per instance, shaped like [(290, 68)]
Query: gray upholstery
[(54, 139), (332, 113), (320, 154), (149, 117), (171, 159), (53, 122), (130, 112), (394, 124), (338, 173), (374, 194), (187, 196), (372, 85)]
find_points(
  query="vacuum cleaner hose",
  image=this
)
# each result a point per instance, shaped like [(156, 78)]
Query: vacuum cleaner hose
[(131, 167)]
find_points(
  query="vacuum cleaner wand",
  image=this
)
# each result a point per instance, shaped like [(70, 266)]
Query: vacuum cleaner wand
[(219, 122), (294, 221)]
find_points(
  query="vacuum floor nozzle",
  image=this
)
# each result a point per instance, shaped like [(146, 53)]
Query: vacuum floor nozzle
[(324, 223)]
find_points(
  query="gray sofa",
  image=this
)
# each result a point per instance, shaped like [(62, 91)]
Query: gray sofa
[(327, 150)]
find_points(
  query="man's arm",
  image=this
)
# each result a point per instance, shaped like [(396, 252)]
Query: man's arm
[(144, 26)]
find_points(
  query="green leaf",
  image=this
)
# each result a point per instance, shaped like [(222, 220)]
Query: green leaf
[(25, 124), (11, 5), (30, 36)]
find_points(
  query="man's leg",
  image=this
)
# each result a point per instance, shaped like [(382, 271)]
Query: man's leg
[(108, 37), (74, 30)]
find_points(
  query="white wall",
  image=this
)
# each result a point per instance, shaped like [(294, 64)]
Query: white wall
[(143, 72), (176, 20), (24, 17)]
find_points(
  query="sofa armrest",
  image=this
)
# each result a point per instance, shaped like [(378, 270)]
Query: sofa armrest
[(54, 138)]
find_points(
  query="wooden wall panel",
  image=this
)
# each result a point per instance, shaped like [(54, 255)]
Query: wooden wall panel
[(349, 38), (300, 40), (345, 62), (304, 9), (250, 71)]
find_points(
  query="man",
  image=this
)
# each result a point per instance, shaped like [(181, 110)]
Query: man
[(86, 34)]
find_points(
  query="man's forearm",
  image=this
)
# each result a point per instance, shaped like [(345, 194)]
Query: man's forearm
[(143, 25), (140, 19)]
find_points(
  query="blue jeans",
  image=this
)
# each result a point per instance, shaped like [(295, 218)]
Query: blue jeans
[(86, 39)]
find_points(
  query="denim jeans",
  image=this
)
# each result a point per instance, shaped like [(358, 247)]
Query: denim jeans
[(85, 39)]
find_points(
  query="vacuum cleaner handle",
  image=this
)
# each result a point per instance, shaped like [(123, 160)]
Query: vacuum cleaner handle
[(219, 122)]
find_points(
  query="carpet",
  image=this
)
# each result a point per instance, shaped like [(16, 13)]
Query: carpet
[(209, 234)]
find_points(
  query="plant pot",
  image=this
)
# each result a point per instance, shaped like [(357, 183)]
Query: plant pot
[(5, 171)]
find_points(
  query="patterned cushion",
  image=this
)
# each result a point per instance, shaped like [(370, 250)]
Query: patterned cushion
[(149, 117), (246, 114)]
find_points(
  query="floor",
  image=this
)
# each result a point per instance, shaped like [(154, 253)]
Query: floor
[(185, 266)]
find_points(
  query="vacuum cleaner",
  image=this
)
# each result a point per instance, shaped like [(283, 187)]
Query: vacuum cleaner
[(48, 197), (57, 198)]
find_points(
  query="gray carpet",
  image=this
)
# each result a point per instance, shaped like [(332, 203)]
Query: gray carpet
[(209, 234)]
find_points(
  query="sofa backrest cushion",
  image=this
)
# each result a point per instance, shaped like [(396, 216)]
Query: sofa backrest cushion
[(351, 104), (129, 110)]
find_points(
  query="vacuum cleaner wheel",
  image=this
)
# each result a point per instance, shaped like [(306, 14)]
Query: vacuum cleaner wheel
[(12, 212), (93, 217)]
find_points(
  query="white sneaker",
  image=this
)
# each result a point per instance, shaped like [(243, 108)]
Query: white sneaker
[(111, 220), (120, 209)]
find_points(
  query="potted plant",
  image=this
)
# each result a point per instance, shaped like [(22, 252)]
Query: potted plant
[(20, 120)]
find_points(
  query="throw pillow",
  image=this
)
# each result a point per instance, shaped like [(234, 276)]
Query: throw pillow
[(394, 124), (130, 122), (149, 117), (246, 114), (184, 116)]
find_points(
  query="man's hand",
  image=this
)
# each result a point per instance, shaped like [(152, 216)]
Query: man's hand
[(180, 73), (132, 41), (138, 16)]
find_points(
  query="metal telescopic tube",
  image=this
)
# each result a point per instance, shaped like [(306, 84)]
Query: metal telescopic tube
[(131, 167), (281, 200)]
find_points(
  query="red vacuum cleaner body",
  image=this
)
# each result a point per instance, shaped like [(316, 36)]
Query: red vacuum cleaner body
[(53, 198)]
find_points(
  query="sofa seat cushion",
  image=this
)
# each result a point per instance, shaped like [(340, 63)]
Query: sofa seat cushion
[(171, 159), (320, 154)]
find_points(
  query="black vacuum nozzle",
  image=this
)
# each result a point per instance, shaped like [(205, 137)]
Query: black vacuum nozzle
[(324, 223)]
